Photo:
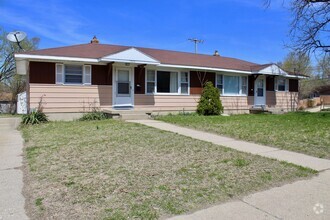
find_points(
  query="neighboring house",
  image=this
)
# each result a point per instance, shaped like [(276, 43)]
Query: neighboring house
[(5, 102), (80, 77)]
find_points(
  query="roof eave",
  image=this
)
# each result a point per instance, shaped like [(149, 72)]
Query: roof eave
[(205, 68), (54, 58)]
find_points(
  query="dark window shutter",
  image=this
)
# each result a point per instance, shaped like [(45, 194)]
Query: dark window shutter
[(270, 83), (251, 86), (293, 85), (100, 75), (139, 80), (42, 72)]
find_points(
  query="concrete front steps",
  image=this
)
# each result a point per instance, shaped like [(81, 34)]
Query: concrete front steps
[(129, 114), (269, 110)]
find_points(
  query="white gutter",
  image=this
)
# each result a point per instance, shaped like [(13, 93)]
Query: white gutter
[(204, 68), (296, 77), (56, 58), (91, 60)]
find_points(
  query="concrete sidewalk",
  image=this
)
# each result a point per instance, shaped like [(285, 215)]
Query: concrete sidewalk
[(270, 152), (305, 199), (11, 177)]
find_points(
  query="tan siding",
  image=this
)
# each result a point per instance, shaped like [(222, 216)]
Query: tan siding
[(231, 103), (282, 100), (166, 102), (271, 98), (66, 98), (172, 103), (286, 100)]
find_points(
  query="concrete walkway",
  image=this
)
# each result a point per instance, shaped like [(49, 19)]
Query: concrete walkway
[(305, 199), (313, 109), (11, 177), (270, 152)]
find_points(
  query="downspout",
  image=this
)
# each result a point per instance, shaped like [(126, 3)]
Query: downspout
[(28, 87)]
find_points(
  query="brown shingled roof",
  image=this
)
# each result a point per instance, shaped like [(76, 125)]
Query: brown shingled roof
[(164, 56)]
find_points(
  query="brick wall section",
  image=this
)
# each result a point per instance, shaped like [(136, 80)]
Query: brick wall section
[(195, 81)]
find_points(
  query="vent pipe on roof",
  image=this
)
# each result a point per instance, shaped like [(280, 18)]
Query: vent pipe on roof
[(216, 54), (95, 40)]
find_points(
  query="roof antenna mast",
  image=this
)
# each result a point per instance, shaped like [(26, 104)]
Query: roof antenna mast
[(196, 41)]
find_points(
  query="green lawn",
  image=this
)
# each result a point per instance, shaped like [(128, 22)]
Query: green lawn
[(307, 133), (116, 170)]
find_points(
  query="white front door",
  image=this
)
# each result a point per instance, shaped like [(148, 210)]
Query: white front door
[(123, 88), (260, 91)]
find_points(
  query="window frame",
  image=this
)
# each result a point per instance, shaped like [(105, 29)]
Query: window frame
[(181, 82), (85, 74), (65, 74), (155, 82), (286, 86), (240, 84)]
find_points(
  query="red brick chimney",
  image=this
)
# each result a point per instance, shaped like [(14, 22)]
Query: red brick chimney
[(95, 40)]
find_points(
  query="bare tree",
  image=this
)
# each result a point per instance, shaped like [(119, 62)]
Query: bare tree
[(297, 62), (201, 77), (309, 30), (323, 67)]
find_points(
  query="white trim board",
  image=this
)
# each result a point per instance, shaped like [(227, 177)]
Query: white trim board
[(204, 68), (56, 58), (131, 55), (272, 70), (135, 56)]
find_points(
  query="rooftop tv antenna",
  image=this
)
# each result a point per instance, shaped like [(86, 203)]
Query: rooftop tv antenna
[(196, 41), (16, 37)]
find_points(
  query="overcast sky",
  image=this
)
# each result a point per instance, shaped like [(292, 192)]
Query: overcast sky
[(241, 29)]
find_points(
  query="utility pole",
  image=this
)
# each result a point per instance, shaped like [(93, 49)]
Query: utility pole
[(196, 41)]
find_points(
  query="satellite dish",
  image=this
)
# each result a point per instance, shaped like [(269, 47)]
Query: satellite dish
[(16, 37)]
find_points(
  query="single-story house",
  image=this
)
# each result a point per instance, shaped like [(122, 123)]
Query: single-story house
[(81, 77)]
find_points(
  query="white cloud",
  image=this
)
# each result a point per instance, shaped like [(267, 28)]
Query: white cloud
[(48, 19)]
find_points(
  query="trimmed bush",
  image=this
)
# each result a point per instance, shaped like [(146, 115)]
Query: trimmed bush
[(310, 103), (94, 116), (210, 103), (35, 117)]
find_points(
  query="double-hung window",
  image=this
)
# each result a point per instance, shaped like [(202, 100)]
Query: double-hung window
[(167, 82), (73, 74), (184, 82), (231, 85), (244, 85), (151, 81), (220, 82), (281, 84)]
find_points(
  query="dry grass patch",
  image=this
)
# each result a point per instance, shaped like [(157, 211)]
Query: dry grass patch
[(115, 170), (301, 132)]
